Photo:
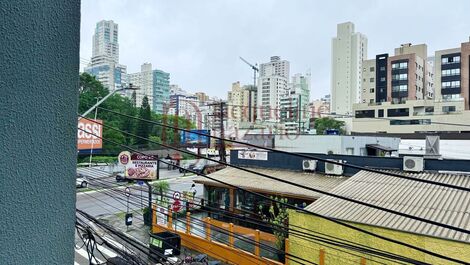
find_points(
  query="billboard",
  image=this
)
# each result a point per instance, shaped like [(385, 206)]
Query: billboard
[(138, 166), (89, 134), (192, 139)]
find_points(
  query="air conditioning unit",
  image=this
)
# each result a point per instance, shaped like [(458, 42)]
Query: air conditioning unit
[(333, 169), (309, 165), (412, 163)]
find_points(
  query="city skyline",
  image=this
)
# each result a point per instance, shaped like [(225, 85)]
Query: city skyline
[(194, 46)]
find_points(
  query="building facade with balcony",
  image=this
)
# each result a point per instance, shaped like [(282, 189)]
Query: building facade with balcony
[(411, 117)]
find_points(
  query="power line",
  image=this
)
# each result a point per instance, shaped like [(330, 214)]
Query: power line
[(309, 188), (328, 241), (263, 246), (309, 212), (291, 154)]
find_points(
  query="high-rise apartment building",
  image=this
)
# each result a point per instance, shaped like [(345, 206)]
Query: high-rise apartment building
[(452, 74), (407, 75), (161, 90), (105, 40), (349, 49), (104, 63), (272, 86), (238, 104), (202, 97), (155, 84), (294, 105)]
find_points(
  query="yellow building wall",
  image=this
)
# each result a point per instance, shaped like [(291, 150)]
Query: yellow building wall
[(310, 250)]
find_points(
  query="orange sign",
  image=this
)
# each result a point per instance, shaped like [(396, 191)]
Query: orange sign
[(89, 133)]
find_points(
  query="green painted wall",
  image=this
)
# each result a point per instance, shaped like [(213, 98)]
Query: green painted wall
[(39, 59), (310, 251)]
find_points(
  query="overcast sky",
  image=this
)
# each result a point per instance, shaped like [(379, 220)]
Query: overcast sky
[(199, 42)]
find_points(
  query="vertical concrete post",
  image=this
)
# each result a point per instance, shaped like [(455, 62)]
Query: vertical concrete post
[(322, 257), (188, 223), (286, 250), (257, 240), (39, 79), (230, 237), (208, 229)]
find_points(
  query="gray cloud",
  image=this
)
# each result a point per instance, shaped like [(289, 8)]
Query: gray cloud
[(199, 42)]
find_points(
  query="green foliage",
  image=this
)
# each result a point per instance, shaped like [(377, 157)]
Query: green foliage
[(162, 187), (323, 124), (154, 142), (100, 159), (276, 214), (91, 89), (143, 127)]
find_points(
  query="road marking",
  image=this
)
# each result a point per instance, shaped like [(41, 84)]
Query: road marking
[(84, 254), (106, 251), (76, 263)]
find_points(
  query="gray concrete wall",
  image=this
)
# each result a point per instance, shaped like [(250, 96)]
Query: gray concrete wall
[(39, 71)]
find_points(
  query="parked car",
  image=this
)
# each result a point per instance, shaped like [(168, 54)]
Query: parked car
[(81, 182), (120, 178)]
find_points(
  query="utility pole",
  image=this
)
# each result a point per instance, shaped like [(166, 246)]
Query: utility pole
[(219, 113), (222, 134)]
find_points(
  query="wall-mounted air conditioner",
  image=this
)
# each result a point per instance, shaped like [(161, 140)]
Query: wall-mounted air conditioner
[(333, 169), (309, 165), (412, 163)]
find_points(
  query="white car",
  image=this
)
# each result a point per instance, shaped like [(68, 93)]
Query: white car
[(82, 182)]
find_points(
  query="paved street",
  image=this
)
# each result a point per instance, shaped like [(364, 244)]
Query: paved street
[(105, 197)]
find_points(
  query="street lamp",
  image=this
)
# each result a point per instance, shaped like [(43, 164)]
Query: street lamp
[(130, 87), (93, 142)]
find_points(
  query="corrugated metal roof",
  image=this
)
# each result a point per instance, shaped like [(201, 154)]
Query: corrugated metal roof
[(433, 202), (253, 182)]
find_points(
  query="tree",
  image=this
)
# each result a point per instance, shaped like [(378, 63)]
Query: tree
[(143, 127), (323, 124), (276, 214), (162, 187)]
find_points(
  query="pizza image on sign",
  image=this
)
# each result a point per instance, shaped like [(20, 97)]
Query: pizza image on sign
[(138, 166), (141, 173)]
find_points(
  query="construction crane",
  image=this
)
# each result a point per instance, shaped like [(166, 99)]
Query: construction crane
[(255, 69)]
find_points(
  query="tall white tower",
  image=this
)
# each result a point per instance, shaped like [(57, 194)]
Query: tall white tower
[(105, 40), (349, 49), (272, 86)]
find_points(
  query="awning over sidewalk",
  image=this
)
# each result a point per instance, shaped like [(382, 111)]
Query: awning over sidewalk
[(254, 182)]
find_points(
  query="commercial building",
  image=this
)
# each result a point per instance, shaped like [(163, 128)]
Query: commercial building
[(413, 116), (154, 84), (104, 63), (407, 196), (349, 49), (272, 86)]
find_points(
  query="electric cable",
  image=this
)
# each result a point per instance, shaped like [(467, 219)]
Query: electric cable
[(414, 262), (305, 211), (278, 151), (309, 188)]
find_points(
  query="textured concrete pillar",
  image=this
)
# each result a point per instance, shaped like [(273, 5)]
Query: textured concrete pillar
[(39, 63)]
